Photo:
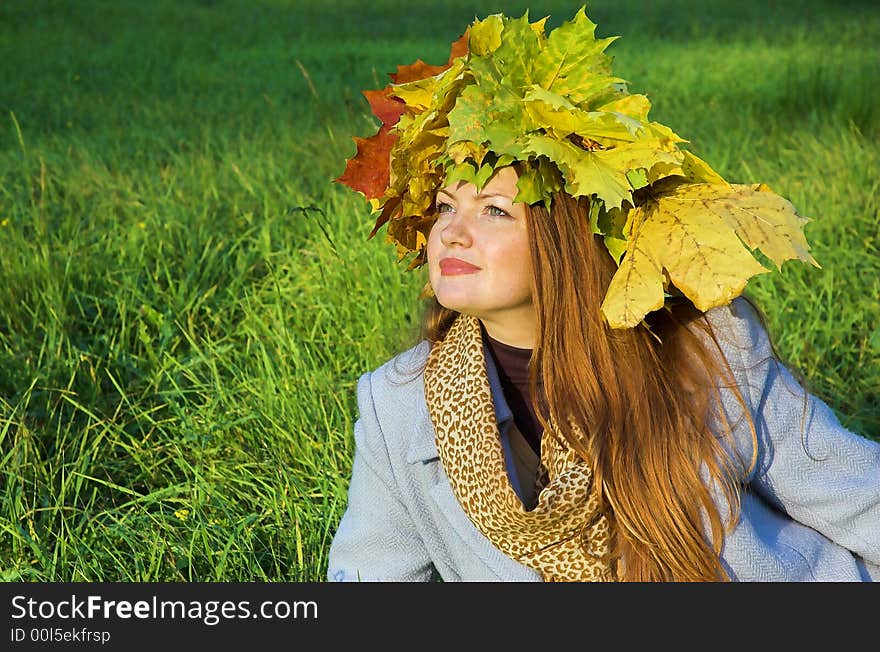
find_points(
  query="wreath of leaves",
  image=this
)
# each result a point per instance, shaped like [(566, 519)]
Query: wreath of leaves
[(512, 95)]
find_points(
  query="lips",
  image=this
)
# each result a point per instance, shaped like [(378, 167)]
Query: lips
[(453, 266)]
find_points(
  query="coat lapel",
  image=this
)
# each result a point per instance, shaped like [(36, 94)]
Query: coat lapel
[(423, 444), (423, 450), (501, 566)]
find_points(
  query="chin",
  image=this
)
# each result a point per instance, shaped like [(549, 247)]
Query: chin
[(458, 296), (453, 303)]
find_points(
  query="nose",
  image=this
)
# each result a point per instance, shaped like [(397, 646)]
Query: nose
[(456, 230)]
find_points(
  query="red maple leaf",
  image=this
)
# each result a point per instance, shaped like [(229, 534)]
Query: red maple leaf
[(368, 171)]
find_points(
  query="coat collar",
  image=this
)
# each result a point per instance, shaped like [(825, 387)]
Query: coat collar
[(422, 446)]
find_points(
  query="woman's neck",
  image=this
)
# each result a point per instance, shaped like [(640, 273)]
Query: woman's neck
[(516, 333)]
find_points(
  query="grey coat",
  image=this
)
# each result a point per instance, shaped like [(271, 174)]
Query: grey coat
[(810, 507)]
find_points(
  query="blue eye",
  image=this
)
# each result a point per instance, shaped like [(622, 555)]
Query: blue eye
[(497, 212), (443, 207)]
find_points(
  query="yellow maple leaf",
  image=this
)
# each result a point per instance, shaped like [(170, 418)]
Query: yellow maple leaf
[(699, 236), (417, 94), (766, 221), (485, 35)]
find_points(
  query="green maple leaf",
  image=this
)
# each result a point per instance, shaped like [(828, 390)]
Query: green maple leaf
[(612, 224), (485, 35), (520, 45), (602, 127), (468, 120), (573, 63), (465, 171), (538, 179), (585, 173)]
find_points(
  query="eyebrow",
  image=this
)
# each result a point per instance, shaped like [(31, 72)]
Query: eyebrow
[(482, 195)]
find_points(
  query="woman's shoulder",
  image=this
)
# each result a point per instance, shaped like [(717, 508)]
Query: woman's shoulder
[(398, 384), (391, 401), (738, 323), (739, 330), (403, 368)]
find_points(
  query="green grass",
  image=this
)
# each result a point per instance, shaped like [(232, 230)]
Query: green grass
[(189, 300)]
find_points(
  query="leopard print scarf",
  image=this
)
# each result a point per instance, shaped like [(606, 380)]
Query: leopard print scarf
[(565, 537)]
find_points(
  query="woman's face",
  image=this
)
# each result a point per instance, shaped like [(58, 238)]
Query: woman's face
[(478, 257)]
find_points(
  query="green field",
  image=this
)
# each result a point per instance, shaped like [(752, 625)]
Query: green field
[(188, 300)]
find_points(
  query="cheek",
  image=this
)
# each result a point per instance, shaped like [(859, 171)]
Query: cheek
[(516, 261), (432, 251), (433, 239)]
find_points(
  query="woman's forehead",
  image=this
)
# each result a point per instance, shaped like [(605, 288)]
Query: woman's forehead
[(502, 183)]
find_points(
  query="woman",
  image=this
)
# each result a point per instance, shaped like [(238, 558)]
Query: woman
[(593, 399)]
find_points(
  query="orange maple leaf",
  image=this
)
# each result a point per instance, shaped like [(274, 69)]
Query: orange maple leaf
[(388, 109), (368, 171), (421, 70)]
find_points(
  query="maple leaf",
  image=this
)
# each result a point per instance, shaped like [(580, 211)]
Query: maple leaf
[(459, 151), (600, 126), (459, 48), (697, 235), (612, 224), (465, 171), (485, 35), (697, 170), (468, 120), (585, 173), (385, 107), (368, 170), (572, 62), (417, 95), (635, 106), (415, 71), (645, 154), (761, 218), (387, 213), (538, 179), (520, 44)]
